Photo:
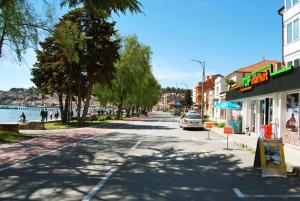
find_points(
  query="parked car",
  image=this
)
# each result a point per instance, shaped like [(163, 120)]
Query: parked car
[(191, 120)]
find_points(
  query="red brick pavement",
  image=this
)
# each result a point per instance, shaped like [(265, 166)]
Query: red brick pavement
[(16, 152)]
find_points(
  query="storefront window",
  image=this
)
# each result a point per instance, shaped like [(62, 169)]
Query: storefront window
[(262, 106), (291, 134), (296, 63), (270, 116), (253, 115)]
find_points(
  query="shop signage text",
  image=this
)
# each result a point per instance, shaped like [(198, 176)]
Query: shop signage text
[(264, 75)]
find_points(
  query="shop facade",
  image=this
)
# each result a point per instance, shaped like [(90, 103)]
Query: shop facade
[(270, 98)]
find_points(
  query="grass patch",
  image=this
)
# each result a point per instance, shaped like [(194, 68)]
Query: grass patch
[(50, 126), (9, 137), (73, 124)]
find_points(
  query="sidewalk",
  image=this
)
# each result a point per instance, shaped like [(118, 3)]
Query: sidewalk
[(291, 153), (52, 140)]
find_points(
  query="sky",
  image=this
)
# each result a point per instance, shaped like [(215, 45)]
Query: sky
[(226, 34)]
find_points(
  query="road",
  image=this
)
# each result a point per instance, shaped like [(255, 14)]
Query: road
[(149, 159)]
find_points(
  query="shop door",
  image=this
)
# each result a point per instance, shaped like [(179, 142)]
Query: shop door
[(253, 116), (262, 113)]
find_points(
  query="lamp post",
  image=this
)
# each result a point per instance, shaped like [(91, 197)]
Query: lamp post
[(203, 84)]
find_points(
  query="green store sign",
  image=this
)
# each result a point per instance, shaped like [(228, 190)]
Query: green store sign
[(249, 81)]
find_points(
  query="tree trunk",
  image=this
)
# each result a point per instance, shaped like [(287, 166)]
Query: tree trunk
[(119, 110), (79, 104), (2, 39), (128, 111), (61, 107), (87, 102), (66, 110), (132, 111)]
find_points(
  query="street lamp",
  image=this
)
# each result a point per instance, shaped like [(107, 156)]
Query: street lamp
[(203, 84)]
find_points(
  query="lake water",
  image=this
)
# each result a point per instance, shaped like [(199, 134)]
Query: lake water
[(11, 114)]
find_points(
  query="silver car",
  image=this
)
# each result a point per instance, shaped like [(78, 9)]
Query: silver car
[(191, 120)]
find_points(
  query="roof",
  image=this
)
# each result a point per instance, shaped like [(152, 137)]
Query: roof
[(253, 67)]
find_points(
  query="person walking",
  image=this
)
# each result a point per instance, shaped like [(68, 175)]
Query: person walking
[(50, 114), (46, 114), (56, 114), (42, 114)]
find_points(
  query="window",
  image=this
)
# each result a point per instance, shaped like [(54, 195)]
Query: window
[(290, 63), (288, 4), (289, 33), (296, 63), (296, 29)]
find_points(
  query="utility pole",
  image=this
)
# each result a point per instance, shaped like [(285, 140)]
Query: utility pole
[(203, 84)]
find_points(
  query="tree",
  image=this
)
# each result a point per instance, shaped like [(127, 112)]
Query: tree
[(134, 86), (83, 50), (230, 83), (19, 26), (188, 98), (105, 7), (50, 73)]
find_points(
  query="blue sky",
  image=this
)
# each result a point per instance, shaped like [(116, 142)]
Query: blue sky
[(227, 34)]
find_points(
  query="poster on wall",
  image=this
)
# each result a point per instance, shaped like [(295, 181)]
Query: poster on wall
[(291, 135)]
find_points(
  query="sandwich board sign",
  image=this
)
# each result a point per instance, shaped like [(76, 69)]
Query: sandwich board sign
[(269, 157)]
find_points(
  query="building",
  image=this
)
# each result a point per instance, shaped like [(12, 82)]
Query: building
[(290, 31), (170, 100), (219, 96), (209, 87)]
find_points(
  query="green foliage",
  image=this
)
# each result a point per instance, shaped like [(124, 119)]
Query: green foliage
[(219, 125), (230, 83), (134, 84), (19, 26), (106, 7), (172, 90), (9, 137), (81, 52), (188, 98)]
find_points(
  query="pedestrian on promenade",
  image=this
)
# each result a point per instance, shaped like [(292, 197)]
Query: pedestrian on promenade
[(42, 114), (56, 114), (50, 115), (46, 114)]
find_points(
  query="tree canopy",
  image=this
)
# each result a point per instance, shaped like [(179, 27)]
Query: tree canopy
[(134, 86), (81, 52)]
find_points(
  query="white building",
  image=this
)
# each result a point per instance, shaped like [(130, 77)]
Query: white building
[(290, 27), (219, 96)]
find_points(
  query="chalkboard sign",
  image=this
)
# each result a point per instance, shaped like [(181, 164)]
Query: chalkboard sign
[(270, 157)]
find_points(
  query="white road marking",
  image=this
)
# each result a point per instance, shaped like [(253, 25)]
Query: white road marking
[(136, 144), (147, 133), (238, 193), (52, 151), (98, 186), (242, 195)]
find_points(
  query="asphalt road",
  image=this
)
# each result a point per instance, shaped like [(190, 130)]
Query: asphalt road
[(150, 159)]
